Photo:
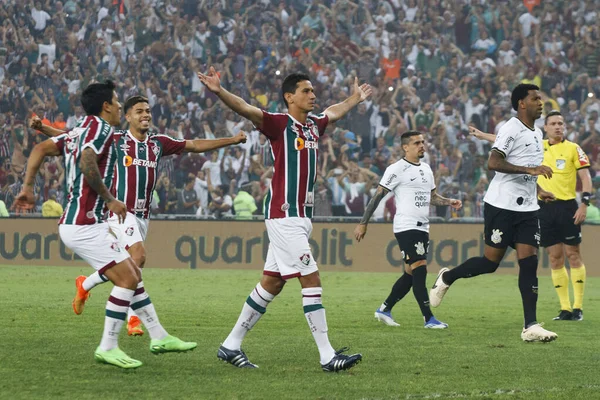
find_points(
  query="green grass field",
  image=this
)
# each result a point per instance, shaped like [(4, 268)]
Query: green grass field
[(47, 350)]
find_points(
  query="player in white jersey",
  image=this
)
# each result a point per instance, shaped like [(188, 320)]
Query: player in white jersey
[(511, 209), (413, 185), (293, 138)]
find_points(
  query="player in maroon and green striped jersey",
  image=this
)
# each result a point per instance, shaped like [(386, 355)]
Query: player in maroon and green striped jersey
[(89, 162), (293, 138), (137, 158)]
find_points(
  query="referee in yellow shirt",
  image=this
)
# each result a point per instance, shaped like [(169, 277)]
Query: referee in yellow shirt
[(560, 220)]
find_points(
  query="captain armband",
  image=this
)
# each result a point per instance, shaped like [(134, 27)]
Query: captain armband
[(585, 198)]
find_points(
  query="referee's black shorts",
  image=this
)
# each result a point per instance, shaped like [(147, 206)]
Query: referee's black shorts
[(557, 223)]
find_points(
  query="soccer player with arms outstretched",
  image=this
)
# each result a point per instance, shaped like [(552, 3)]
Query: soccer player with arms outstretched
[(89, 159), (289, 205), (560, 220), (137, 158), (511, 209), (413, 184)]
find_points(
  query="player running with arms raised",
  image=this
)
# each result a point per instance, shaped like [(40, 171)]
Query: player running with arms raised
[(89, 166), (289, 205), (138, 155)]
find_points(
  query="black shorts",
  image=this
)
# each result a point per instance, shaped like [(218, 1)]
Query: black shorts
[(557, 223), (504, 228), (414, 245)]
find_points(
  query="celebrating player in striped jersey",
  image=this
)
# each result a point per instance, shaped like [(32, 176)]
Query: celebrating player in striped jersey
[(289, 205), (137, 155), (89, 165)]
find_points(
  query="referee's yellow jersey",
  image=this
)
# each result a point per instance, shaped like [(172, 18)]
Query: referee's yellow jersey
[(565, 158)]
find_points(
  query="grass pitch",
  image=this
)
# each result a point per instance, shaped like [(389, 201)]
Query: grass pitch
[(47, 350)]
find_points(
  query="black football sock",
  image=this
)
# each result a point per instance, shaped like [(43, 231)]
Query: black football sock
[(472, 267), (420, 291), (528, 285), (399, 290)]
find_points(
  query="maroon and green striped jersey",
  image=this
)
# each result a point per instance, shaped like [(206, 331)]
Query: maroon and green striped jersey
[(294, 147), (84, 205), (137, 166)]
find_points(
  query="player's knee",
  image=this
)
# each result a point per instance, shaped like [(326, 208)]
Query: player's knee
[(488, 266), (528, 265), (574, 258)]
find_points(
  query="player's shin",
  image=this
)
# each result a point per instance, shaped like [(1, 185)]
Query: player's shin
[(399, 290), (472, 267), (93, 280), (420, 290), (528, 286), (560, 279), (144, 309), (578, 282), (317, 322), (254, 307), (116, 312)]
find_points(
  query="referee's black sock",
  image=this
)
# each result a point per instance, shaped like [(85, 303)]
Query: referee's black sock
[(420, 291), (528, 285), (399, 290), (472, 267)]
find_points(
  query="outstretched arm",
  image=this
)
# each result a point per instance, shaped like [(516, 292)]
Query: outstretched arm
[(50, 131), (203, 145), (359, 94), (361, 229), (490, 137), (237, 104)]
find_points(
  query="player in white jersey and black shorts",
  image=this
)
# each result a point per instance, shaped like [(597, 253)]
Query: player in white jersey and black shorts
[(293, 138), (511, 209), (413, 185)]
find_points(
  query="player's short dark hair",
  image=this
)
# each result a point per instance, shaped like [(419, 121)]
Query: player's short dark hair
[(290, 83), (520, 92), (132, 101), (552, 113), (405, 138), (95, 95)]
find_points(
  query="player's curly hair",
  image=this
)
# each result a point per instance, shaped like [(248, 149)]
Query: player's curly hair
[(95, 95), (520, 92)]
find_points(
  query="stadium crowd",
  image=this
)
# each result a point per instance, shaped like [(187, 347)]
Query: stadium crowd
[(436, 65)]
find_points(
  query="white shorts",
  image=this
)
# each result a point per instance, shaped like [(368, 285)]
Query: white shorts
[(95, 244), (289, 254), (131, 231)]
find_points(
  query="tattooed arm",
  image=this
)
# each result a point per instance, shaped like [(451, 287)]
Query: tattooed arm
[(361, 229), (437, 200), (91, 172)]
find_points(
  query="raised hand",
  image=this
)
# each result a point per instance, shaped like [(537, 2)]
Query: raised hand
[(211, 80), (240, 137), (363, 90)]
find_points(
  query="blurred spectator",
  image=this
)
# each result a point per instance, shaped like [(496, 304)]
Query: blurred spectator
[(244, 204), (188, 201), (51, 208), (436, 66)]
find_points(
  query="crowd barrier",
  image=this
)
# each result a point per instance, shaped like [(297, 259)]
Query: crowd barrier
[(243, 245)]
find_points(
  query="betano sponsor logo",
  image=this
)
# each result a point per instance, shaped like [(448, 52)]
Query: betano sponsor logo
[(129, 161)]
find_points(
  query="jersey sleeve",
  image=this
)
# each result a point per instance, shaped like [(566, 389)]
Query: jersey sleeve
[(391, 177), (60, 142), (273, 125), (170, 145), (505, 140), (581, 159), (321, 120)]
